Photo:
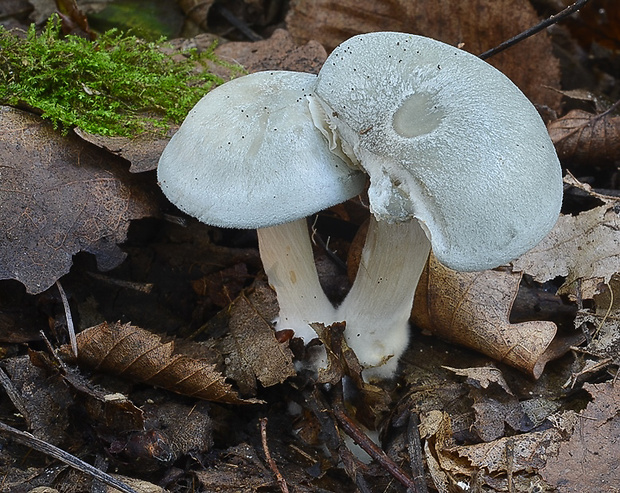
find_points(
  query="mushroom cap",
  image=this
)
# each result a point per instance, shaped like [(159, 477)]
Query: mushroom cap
[(446, 139), (249, 156)]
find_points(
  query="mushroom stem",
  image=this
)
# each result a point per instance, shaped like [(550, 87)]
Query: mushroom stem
[(378, 306), (286, 253)]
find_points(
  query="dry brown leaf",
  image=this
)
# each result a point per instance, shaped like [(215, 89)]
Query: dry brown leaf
[(41, 400), (478, 25), (473, 309), (142, 151), (589, 460), (60, 196), (279, 52), (602, 323), (494, 408), (482, 377), (135, 353), (522, 454), (436, 428), (188, 427), (335, 347), (585, 249), (252, 350), (586, 138), (485, 463)]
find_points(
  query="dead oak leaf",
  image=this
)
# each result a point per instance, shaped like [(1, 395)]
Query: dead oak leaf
[(60, 196), (131, 352), (473, 308), (585, 249)]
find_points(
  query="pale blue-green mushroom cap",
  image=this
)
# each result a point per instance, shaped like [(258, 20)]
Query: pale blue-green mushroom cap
[(446, 139), (249, 156)]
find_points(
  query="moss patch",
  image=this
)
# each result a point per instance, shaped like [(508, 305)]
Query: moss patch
[(116, 85)]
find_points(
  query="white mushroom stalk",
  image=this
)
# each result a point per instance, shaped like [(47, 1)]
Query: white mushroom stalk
[(452, 147), (286, 253), (249, 156), (378, 306)]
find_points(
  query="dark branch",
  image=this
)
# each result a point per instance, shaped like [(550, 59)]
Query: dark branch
[(535, 29), (31, 441)]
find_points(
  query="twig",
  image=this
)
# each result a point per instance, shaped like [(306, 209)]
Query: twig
[(510, 456), (238, 24), (60, 364), (571, 9), (272, 463), (414, 447), (142, 287), (14, 396), (611, 304), (29, 440), (370, 447), (68, 318)]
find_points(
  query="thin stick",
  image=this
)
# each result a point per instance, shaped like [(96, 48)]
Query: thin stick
[(371, 448), (414, 447), (510, 455), (31, 441), (571, 9), (237, 23), (272, 463), (68, 318), (14, 396)]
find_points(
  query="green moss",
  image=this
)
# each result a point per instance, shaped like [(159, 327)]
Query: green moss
[(116, 85)]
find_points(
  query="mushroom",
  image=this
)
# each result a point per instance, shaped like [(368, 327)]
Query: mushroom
[(458, 158), (249, 156)]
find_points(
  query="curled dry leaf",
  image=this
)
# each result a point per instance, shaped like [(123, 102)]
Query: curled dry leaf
[(586, 138), (473, 309), (476, 25), (135, 353), (60, 196)]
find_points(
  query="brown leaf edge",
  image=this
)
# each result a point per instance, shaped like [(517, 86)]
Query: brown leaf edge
[(584, 137), (131, 352)]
